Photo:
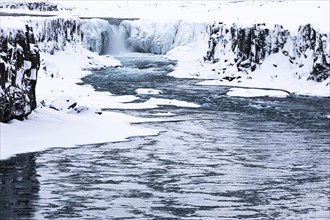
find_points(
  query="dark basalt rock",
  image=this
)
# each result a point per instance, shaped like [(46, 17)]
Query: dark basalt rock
[(19, 64), (251, 45)]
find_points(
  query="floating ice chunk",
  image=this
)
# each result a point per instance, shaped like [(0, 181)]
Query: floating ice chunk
[(242, 92), (168, 114), (154, 103), (148, 91), (173, 102)]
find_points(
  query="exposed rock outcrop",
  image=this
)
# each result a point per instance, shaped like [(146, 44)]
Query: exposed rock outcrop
[(52, 34), (19, 64), (247, 47)]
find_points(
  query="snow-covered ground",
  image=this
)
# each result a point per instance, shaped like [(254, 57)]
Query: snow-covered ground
[(57, 85)]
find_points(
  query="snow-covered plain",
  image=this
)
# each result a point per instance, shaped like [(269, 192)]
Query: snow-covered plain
[(159, 21)]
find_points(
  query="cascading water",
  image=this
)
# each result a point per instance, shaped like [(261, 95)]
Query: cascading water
[(117, 41), (100, 36)]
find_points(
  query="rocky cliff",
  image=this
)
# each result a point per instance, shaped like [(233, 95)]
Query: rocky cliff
[(19, 64), (246, 48)]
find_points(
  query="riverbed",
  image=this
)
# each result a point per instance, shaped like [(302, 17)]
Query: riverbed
[(230, 158)]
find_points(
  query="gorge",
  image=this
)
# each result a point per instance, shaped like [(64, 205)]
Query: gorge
[(170, 118)]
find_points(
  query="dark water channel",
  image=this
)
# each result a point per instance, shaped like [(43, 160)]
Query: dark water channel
[(232, 158)]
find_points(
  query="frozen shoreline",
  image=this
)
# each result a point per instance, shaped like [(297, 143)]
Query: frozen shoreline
[(46, 127), (49, 128)]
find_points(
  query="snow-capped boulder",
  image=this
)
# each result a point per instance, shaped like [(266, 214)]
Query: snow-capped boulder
[(63, 103)]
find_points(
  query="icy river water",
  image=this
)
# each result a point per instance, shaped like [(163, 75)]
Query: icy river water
[(231, 158)]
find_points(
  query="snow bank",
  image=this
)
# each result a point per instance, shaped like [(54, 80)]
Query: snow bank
[(47, 128), (260, 57)]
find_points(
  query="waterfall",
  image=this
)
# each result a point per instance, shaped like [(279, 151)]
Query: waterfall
[(117, 41)]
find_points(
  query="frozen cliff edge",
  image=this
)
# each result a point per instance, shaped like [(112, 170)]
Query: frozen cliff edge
[(68, 114), (245, 49), (259, 55), (52, 36), (297, 61)]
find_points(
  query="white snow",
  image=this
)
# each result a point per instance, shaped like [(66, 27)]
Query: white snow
[(243, 92), (47, 128), (267, 76), (288, 13)]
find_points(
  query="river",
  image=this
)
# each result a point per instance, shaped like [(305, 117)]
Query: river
[(231, 158)]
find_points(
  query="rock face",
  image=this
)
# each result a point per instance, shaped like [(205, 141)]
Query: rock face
[(19, 64), (52, 34), (20, 56), (247, 47)]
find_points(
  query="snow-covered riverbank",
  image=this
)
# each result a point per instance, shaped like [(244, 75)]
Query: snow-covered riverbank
[(85, 124), (177, 29)]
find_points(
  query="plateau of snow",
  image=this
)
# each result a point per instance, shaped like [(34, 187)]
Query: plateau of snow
[(175, 28)]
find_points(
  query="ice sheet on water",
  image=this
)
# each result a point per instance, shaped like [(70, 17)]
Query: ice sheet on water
[(243, 92), (148, 91)]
